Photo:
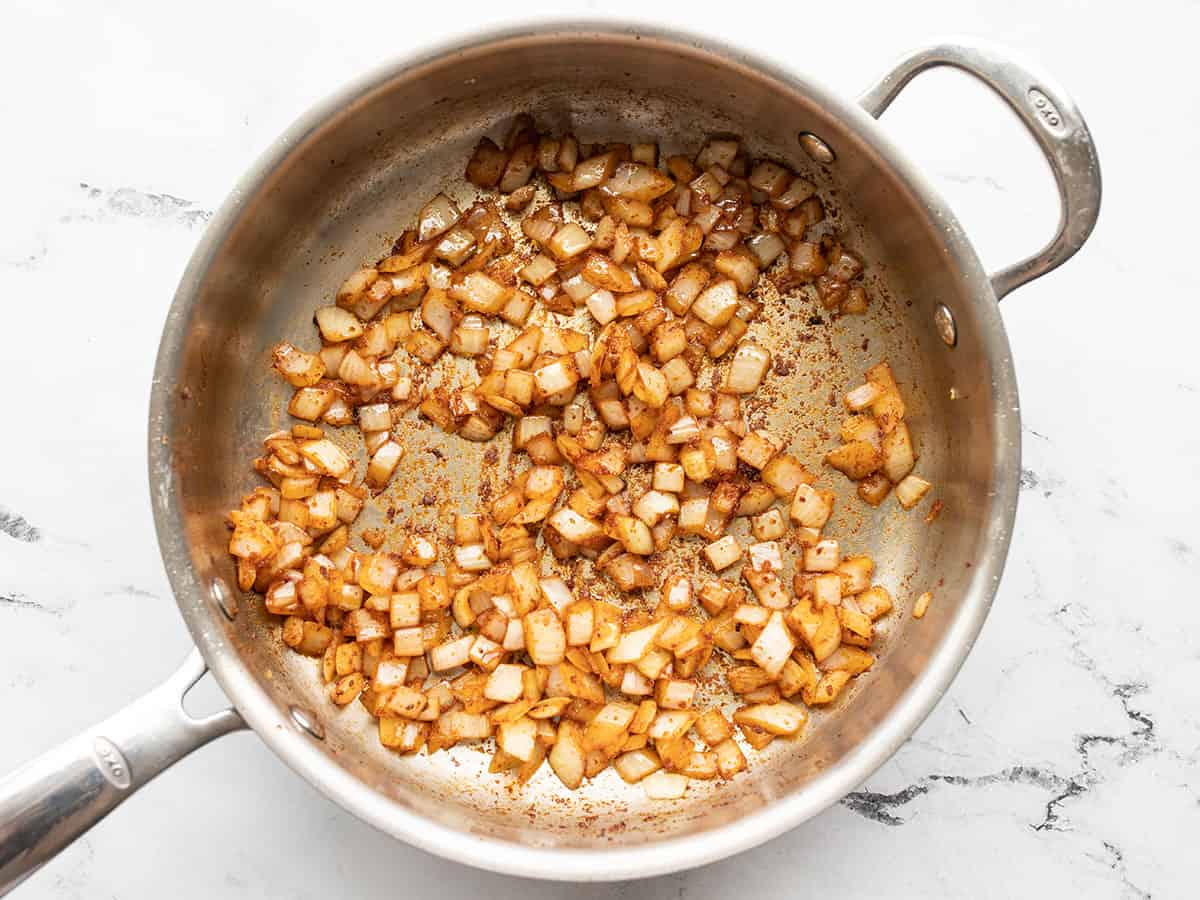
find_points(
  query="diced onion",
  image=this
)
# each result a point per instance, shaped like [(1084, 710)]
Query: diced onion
[(766, 248), (384, 463), (637, 181), (337, 324), (750, 365), (569, 241), (603, 306), (436, 217), (910, 490), (668, 262)]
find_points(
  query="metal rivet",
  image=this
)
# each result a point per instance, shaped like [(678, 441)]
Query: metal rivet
[(944, 320), (224, 598), (816, 148), (305, 722)]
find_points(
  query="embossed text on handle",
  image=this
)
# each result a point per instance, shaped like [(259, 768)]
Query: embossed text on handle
[(1045, 109), (111, 762)]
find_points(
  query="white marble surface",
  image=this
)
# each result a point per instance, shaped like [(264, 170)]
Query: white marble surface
[(1063, 760)]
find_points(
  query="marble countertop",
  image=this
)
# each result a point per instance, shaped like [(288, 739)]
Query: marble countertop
[(1063, 761)]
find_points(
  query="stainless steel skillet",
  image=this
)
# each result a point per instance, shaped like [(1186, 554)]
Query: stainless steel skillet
[(335, 190)]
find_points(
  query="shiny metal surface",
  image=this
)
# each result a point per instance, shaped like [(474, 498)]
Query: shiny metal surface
[(943, 320), (307, 722), (817, 149), (225, 599), (48, 803), (1050, 116), (339, 186)]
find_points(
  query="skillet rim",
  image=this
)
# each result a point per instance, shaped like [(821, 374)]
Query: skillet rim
[(566, 864)]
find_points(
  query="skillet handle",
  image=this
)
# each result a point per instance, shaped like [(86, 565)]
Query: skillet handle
[(1050, 116), (49, 802)]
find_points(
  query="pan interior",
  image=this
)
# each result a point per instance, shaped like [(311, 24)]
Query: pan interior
[(343, 193)]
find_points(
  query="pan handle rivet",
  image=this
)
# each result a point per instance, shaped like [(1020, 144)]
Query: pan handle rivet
[(305, 722), (816, 148), (944, 320), (224, 598)]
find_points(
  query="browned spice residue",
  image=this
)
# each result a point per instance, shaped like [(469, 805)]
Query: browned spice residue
[(934, 512)]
